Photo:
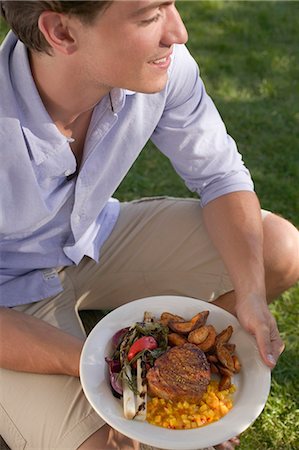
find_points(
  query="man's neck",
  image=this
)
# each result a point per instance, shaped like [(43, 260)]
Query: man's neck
[(62, 91)]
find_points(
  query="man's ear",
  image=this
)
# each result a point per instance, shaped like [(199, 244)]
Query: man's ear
[(57, 32)]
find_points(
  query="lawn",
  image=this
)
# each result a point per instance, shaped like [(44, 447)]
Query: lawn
[(248, 56)]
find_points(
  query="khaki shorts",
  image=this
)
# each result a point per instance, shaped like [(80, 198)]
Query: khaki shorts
[(158, 246)]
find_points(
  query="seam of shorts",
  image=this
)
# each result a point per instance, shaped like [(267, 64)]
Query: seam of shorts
[(21, 441), (163, 197), (70, 442), (153, 198)]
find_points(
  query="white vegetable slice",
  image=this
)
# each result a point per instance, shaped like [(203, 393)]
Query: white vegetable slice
[(128, 395), (141, 399), (148, 317), (142, 393)]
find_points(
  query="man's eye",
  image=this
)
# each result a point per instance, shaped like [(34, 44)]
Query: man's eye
[(151, 20)]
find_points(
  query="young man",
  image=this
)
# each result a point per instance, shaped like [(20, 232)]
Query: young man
[(83, 87)]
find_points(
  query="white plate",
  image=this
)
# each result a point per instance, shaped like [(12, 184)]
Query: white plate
[(253, 382)]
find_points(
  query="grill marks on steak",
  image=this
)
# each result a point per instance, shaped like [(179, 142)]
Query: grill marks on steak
[(181, 373)]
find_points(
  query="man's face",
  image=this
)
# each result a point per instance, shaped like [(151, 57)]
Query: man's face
[(129, 45)]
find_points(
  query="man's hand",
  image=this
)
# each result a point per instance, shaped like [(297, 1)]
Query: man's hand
[(256, 318)]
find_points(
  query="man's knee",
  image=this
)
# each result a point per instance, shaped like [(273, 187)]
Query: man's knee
[(281, 252)]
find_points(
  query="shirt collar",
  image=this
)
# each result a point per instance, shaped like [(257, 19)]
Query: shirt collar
[(118, 97), (40, 131)]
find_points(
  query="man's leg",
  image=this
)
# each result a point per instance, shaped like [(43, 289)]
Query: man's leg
[(281, 255), (44, 412), (108, 439)]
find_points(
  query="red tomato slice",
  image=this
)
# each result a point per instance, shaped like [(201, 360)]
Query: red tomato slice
[(143, 343)]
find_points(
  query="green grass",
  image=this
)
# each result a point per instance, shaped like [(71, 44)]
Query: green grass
[(248, 55)]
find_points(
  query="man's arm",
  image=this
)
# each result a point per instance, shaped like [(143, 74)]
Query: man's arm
[(235, 226), (29, 344)]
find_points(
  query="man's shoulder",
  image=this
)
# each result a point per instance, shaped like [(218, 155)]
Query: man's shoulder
[(184, 77), (182, 60)]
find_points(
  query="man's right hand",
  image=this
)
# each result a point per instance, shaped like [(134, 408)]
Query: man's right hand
[(256, 318)]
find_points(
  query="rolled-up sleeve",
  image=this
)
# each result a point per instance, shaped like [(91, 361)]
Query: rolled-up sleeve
[(193, 136)]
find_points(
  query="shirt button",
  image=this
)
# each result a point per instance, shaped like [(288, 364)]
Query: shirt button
[(67, 172)]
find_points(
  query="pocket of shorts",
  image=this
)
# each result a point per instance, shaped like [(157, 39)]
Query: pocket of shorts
[(10, 432)]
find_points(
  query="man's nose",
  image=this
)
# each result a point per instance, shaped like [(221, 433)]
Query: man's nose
[(175, 31)]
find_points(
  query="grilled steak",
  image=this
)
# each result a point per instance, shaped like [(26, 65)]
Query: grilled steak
[(181, 373)]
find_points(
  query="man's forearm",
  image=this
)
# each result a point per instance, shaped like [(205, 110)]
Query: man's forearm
[(235, 226), (29, 344)]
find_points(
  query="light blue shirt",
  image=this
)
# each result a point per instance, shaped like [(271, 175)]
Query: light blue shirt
[(47, 221)]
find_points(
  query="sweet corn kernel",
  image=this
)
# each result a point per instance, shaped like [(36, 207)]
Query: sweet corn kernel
[(203, 407), (184, 415), (220, 395), (224, 409), (229, 404)]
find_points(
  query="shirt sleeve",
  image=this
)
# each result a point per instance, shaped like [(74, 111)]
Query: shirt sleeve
[(193, 136)]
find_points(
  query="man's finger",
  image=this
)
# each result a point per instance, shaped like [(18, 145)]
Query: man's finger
[(269, 343), (263, 339), (276, 342)]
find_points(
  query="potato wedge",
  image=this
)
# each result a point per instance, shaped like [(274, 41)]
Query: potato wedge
[(214, 368), (237, 364), (212, 358), (198, 335), (176, 339), (225, 382), (209, 342), (225, 357), (167, 316), (225, 335), (230, 347), (224, 370), (185, 327)]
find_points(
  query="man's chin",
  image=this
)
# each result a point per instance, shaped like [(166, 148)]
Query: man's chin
[(151, 86)]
